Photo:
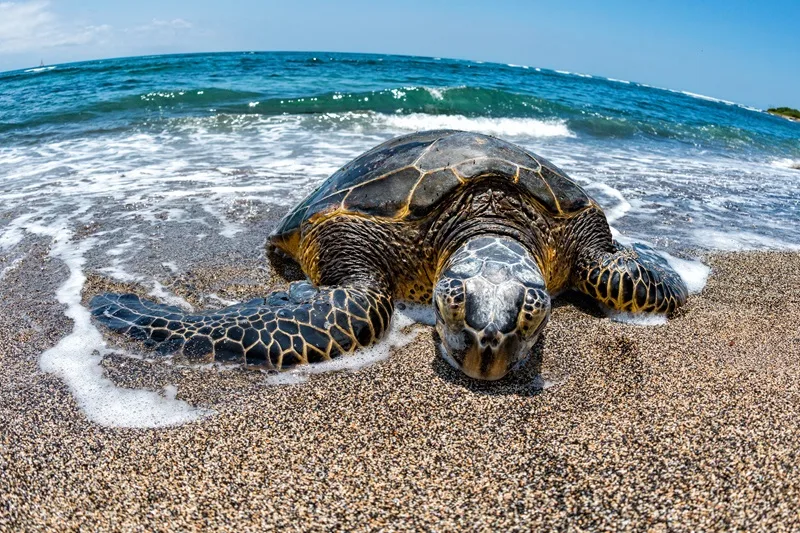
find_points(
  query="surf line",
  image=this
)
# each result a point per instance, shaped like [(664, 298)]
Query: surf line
[(76, 358)]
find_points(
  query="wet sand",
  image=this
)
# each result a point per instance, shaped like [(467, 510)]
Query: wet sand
[(688, 426)]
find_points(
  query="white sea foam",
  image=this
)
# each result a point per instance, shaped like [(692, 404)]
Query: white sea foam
[(702, 97), (496, 126), (39, 69), (793, 164), (720, 101), (707, 98), (617, 211), (405, 315), (161, 292), (76, 358), (224, 301), (626, 82), (693, 272), (435, 92), (170, 391), (417, 313), (229, 229), (568, 73), (157, 177), (14, 232), (544, 381), (741, 241), (11, 266), (122, 247), (636, 319)]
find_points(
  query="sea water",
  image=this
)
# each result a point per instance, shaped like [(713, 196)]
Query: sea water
[(185, 153)]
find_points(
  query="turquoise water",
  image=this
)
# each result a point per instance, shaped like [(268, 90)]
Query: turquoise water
[(217, 130)]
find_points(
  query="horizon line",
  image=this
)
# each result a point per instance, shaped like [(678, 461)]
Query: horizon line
[(435, 58)]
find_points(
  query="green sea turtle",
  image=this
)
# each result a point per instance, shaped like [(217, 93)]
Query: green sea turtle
[(484, 229)]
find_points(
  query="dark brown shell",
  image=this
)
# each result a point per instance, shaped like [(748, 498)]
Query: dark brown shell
[(407, 177)]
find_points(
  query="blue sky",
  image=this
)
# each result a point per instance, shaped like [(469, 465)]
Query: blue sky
[(748, 52)]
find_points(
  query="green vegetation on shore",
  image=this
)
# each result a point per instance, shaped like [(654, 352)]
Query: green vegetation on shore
[(787, 112)]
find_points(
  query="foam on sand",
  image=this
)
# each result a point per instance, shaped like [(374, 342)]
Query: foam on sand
[(76, 359), (11, 266), (693, 273), (635, 319)]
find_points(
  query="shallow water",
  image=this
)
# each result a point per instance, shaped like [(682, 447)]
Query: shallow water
[(227, 132)]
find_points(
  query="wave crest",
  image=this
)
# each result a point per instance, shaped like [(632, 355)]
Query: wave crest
[(793, 164), (511, 127)]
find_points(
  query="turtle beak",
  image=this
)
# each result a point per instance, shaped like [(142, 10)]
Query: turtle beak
[(487, 355), (488, 365), (492, 354)]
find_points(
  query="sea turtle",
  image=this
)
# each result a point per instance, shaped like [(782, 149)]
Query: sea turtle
[(484, 229)]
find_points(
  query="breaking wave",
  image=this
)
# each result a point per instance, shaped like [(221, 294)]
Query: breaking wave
[(495, 110)]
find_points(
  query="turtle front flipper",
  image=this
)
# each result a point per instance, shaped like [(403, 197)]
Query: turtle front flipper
[(303, 325), (634, 279)]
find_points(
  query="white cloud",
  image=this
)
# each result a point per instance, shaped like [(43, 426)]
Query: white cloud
[(163, 26), (178, 24), (31, 26)]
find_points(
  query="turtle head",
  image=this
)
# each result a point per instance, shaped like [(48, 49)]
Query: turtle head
[(491, 303)]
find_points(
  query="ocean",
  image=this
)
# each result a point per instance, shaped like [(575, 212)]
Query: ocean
[(234, 133)]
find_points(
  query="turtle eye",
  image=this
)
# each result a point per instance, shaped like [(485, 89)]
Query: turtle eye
[(449, 299)]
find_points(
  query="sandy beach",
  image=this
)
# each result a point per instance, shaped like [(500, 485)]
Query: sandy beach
[(687, 426), (132, 161)]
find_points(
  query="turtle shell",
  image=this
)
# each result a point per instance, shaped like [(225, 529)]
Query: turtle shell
[(406, 177)]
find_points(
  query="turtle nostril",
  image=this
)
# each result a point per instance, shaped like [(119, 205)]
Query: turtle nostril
[(486, 340), (490, 336)]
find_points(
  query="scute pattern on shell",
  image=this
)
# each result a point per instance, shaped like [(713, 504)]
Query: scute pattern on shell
[(406, 178)]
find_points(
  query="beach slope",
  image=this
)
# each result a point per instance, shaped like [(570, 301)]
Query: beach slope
[(687, 426)]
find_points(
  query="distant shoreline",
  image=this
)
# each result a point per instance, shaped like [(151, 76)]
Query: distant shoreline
[(785, 112)]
